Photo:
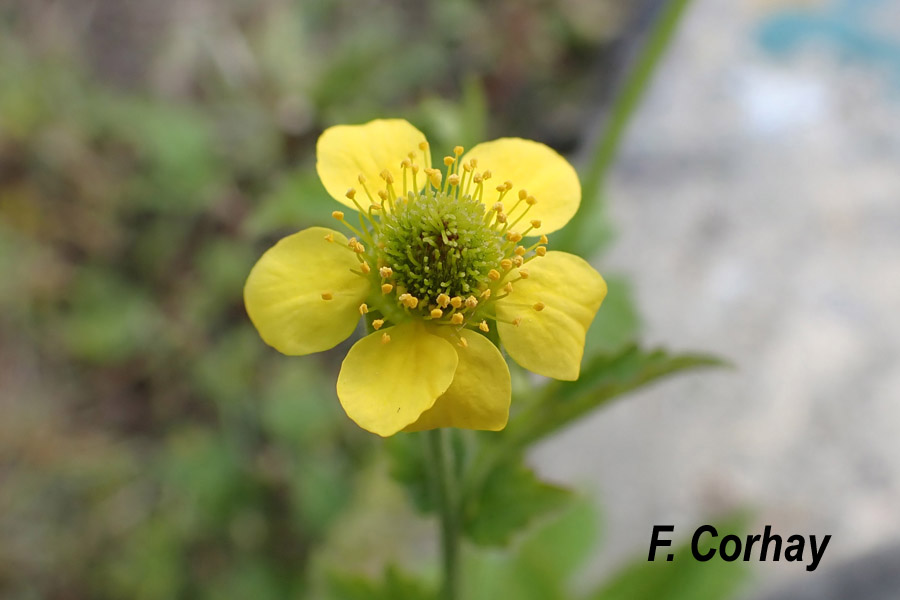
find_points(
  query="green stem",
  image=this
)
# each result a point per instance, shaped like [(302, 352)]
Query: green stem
[(624, 105), (448, 507)]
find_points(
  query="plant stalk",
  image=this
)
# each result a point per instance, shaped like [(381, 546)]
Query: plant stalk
[(447, 495)]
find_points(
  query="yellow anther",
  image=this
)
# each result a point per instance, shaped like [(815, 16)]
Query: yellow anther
[(386, 288), (508, 287), (338, 215), (530, 200), (494, 274), (453, 180), (415, 168), (351, 242), (484, 326), (471, 302), (520, 250), (518, 260), (359, 248), (406, 162), (514, 236), (423, 146), (458, 150), (523, 273), (443, 300), (506, 264), (463, 343), (386, 175), (522, 194), (327, 295), (497, 207), (365, 268), (516, 321), (456, 301), (457, 319), (486, 293), (363, 308), (377, 323), (351, 193), (436, 178), (544, 240), (536, 223), (486, 175), (436, 313), (385, 272), (449, 160), (361, 179), (477, 178), (501, 217), (411, 155), (538, 306), (473, 162), (383, 195), (540, 250), (411, 301), (385, 337), (508, 185), (375, 206), (501, 188), (467, 167), (329, 237)]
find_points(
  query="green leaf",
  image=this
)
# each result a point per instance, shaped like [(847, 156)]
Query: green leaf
[(508, 501), (395, 586), (681, 579), (295, 201), (409, 467), (607, 376), (617, 322), (541, 566)]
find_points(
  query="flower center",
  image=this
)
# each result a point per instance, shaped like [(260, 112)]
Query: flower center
[(436, 244), (441, 254)]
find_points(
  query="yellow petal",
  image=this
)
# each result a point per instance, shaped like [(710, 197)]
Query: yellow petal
[(386, 386), (550, 341), (283, 293), (480, 393), (344, 152), (536, 168)]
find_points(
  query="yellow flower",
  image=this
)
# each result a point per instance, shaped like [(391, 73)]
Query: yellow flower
[(436, 260)]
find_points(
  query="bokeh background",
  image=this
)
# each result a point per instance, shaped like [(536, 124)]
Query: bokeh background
[(152, 447)]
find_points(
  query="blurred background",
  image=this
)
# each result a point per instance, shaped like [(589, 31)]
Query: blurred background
[(152, 447)]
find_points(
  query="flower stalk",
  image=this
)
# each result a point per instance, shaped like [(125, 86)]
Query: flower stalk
[(446, 493)]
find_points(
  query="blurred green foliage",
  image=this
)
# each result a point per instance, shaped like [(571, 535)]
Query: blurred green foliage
[(151, 447)]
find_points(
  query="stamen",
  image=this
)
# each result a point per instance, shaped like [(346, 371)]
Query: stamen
[(338, 215), (327, 295), (386, 288), (471, 302), (385, 337), (363, 308), (329, 237), (436, 313), (443, 300), (523, 273), (456, 301), (508, 287), (365, 268), (385, 272), (540, 250), (493, 274), (484, 326), (377, 323), (457, 319), (463, 342), (539, 306)]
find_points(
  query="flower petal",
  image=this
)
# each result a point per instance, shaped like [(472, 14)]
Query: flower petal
[(539, 170), (343, 152), (480, 394), (283, 293), (386, 386), (550, 341)]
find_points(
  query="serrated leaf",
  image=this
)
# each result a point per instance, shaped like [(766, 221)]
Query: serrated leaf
[(508, 501), (606, 377)]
